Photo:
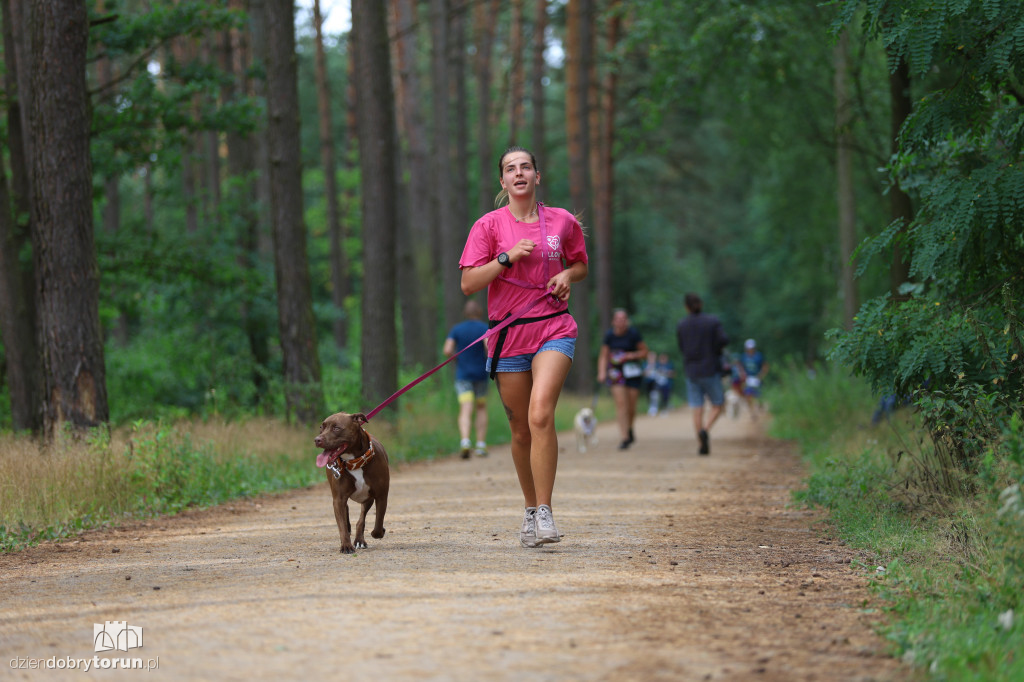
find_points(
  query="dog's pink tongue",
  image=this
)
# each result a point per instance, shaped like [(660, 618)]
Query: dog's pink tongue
[(323, 457)]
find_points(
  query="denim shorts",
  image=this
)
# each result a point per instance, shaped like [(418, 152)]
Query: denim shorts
[(524, 363), (711, 387)]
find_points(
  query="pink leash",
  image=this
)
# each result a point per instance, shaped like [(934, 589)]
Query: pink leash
[(490, 332)]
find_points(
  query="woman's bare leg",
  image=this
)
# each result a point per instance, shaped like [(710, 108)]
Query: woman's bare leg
[(514, 389), (621, 398), (550, 369), (632, 397)]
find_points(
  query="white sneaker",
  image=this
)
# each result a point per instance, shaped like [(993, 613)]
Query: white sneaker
[(466, 446), (545, 530), (528, 534), (481, 449)]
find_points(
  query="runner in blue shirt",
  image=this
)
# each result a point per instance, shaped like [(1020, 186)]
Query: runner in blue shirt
[(754, 368), (470, 377)]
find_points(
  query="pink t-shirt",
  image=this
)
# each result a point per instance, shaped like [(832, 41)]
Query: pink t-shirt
[(564, 245)]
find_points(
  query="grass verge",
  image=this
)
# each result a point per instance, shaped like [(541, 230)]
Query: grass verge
[(150, 468), (949, 545)]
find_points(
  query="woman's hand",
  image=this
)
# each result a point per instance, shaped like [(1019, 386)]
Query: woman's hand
[(521, 250), (475, 279), (559, 285)]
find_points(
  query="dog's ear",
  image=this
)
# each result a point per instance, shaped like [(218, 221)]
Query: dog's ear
[(359, 418)]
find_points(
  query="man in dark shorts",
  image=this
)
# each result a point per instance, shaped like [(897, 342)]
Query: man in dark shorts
[(701, 341)]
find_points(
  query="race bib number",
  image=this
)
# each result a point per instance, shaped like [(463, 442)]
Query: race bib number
[(632, 370)]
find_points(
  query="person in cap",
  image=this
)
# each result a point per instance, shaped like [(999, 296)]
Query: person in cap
[(753, 368)]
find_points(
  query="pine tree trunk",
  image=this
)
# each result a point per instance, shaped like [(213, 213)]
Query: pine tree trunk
[(112, 183), (375, 119), (579, 55), (419, 275), (181, 51), (303, 391), (604, 185), (900, 205), (460, 154), (452, 237), (339, 274), (211, 146), (17, 320), (483, 37), (844, 181), (18, 326), (259, 31), (67, 274), (537, 133), (516, 79), (16, 18), (241, 197)]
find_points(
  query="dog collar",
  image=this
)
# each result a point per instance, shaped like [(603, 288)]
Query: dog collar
[(351, 464), (358, 462)]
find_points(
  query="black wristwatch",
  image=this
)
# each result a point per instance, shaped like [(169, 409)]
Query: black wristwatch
[(503, 260)]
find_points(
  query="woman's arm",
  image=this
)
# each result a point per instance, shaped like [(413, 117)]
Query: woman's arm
[(475, 279)]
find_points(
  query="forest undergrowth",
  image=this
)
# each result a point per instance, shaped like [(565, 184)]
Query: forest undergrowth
[(948, 543)]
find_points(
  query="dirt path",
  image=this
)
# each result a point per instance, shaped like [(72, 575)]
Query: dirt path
[(673, 567)]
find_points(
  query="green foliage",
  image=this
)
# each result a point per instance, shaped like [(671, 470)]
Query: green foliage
[(961, 366), (726, 191), (733, 99), (145, 115), (20, 535), (949, 574), (179, 299), (954, 340), (839, 400), (168, 472)]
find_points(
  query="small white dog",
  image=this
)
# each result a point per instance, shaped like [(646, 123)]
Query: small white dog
[(585, 425), (732, 403)]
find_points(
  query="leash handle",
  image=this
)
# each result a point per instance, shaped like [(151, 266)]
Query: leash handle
[(490, 332)]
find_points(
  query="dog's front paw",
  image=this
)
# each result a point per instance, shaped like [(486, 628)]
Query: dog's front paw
[(360, 544), (377, 534), (348, 549)]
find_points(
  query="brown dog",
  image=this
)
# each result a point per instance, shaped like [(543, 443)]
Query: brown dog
[(357, 469)]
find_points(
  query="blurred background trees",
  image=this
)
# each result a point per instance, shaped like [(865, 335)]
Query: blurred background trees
[(739, 148)]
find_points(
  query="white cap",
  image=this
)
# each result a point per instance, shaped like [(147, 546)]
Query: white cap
[(750, 344)]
